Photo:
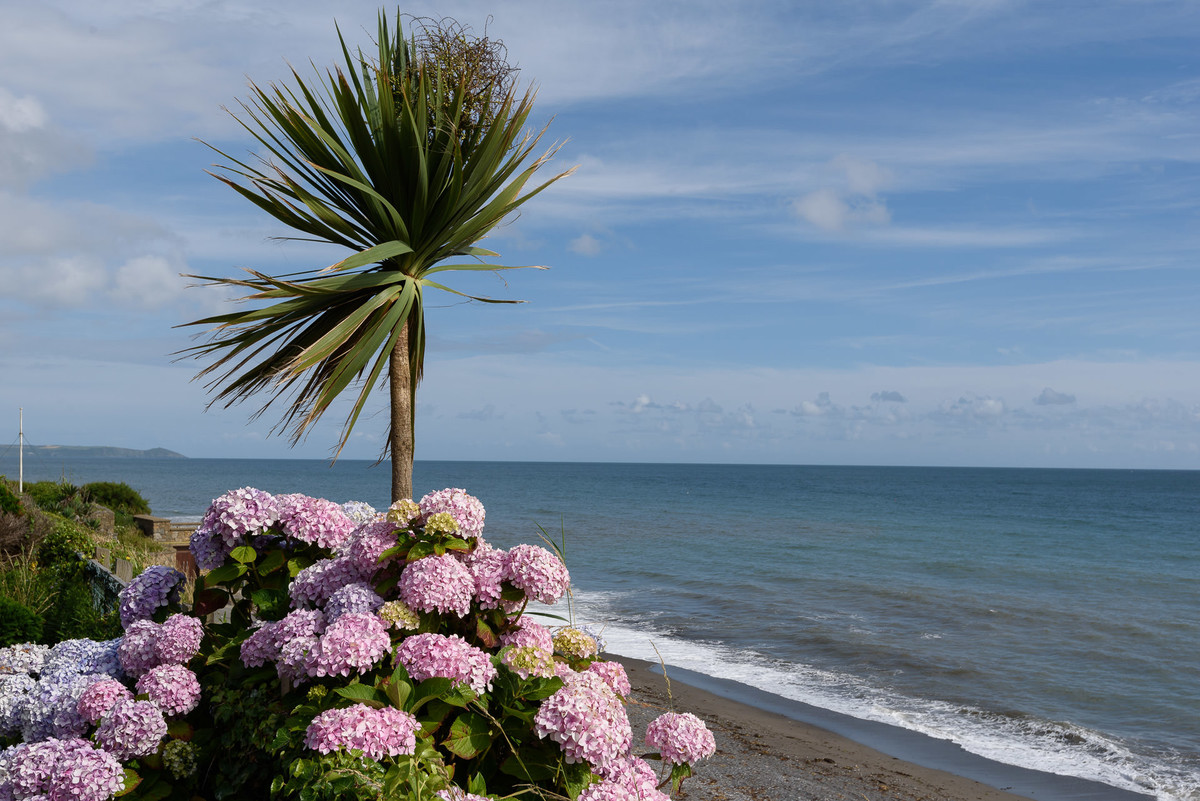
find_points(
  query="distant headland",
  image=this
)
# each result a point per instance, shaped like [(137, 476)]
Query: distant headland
[(101, 452)]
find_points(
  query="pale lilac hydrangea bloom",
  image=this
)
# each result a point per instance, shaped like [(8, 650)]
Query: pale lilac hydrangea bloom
[(75, 657), (437, 584), (315, 583), (296, 659), (172, 688), (23, 658), (59, 770), (313, 520), (375, 732), (240, 513), (51, 707), (99, 697), (131, 729), (574, 643), (681, 738), (539, 573), (354, 643), (138, 650), (488, 566), (448, 656), (614, 676), (531, 633), (298, 623), (359, 512), (295, 640), (155, 586), (356, 597), (14, 689), (466, 510), (587, 720), (178, 639), (526, 661)]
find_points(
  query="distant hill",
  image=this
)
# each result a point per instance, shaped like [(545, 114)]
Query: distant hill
[(102, 452)]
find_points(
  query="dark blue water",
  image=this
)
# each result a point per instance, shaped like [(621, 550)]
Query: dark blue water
[(1044, 618)]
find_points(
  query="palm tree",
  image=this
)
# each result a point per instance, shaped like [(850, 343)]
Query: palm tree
[(408, 160)]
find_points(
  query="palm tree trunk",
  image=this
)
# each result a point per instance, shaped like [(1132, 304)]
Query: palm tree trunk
[(402, 418)]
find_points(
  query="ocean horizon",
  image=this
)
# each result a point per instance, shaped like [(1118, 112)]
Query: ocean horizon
[(1047, 618)]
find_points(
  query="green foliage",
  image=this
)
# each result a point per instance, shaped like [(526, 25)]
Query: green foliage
[(74, 615), (9, 503), (118, 496), (23, 582), (63, 545), (50, 495), (18, 623)]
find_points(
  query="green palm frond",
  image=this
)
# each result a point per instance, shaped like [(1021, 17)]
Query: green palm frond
[(384, 156)]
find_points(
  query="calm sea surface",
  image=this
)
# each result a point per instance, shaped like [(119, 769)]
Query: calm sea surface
[(1043, 618)]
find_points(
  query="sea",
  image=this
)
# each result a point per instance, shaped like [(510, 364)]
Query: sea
[(1047, 619)]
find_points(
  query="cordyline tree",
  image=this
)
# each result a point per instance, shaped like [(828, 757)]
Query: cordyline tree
[(408, 159)]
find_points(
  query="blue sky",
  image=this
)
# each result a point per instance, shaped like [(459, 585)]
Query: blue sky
[(888, 232)]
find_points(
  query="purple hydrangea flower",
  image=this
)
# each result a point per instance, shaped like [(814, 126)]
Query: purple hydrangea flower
[(437, 584), (359, 512), (208, 548), (23, 658), (138, 650), (157, 585), (354, 643), (299, 623), (132, 729), (172, 688), (296, 659), (313, 520), (375, 732), (14, 689), (99, 697), (260, 647), (356, 597), (77, 657), (51, 707), (466, 510), (539, 573), (241, 513), (587, 720), (59, 770), (448, 656), (314, 584), (681, 738)]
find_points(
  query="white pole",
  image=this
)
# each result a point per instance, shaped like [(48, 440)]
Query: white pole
[(21, 451)]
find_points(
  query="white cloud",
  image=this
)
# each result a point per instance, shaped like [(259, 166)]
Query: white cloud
[(586, 245), (888, 396), (851, 201), (1049, 397)]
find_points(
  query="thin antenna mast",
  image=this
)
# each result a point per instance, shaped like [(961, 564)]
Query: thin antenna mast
[(21, 451)]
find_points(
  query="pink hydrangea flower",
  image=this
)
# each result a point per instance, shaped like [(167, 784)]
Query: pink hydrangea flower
[(58, 770), (531, 633), (357, 597), (466, 510), (131, 729), (488, 566), (608, 790), (179, 639), (354, 643), (539, 573), (298, 623), (636, 775), (681, 738), (99, 697), (437, 584), (375, 732), (172, 688), (367, 543), (454, 793), (297, 659), (587, 720), (448, 656), (314, 584), (313, 520), (614, 676), (260, 647)]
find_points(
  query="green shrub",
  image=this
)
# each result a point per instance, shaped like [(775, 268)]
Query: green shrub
[(74, 614), (50, 494), (118, 496), (18, 623), (63, 544), (10, 504)]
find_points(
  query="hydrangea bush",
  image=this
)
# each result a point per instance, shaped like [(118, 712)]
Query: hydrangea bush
[(333, 652)]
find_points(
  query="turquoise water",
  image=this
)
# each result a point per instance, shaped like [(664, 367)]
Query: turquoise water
[(1044, 618)]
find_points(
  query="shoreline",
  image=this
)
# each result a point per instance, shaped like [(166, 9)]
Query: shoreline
[(772, 749)]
